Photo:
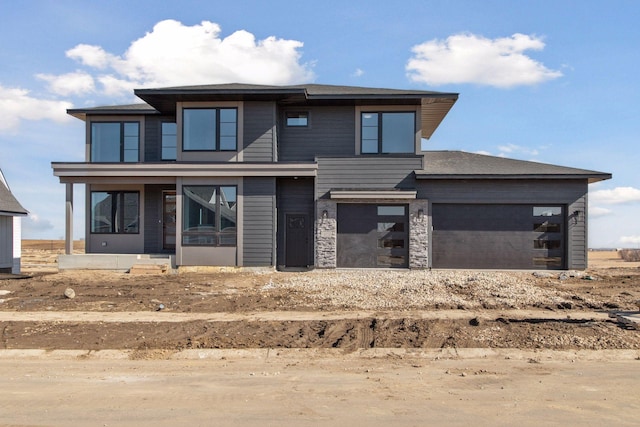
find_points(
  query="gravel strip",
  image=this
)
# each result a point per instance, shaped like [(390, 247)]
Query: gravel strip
[(398, 290)]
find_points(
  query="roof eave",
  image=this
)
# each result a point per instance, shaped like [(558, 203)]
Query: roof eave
[(592, 178)]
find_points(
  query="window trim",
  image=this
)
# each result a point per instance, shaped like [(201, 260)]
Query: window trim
[(217, 129), (162, 141), (293, 113), (387, 108), (120, 208), (122, 124)]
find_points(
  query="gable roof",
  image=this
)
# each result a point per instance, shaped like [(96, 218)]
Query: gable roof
[(9, 205), (463, 165)]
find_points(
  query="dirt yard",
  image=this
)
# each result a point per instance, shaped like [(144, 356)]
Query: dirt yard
[(163, 313)]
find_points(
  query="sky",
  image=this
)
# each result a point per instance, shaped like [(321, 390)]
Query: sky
[(546, 81)]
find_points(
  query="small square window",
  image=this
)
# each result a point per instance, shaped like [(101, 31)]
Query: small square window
[(297, 119)]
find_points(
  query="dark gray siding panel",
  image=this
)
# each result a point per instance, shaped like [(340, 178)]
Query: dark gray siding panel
[(153, 137), (259, 124), (331, 132), (295, 196), (367, 172), (153, 217), (259, 198), (571, 193)]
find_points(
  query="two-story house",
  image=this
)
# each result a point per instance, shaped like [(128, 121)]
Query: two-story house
[(314, 176)]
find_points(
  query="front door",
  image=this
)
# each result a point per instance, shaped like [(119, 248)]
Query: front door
[(296, 240), (169, 220)]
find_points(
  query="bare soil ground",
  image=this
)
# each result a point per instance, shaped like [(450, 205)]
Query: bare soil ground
[(382, 309)]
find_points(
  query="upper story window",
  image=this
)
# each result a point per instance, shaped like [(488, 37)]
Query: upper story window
[(387, 132), (115, 141), (209, 129), (297, 119), (169, 141)]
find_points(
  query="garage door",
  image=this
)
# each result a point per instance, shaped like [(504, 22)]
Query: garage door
[(498, 236), (371, 235)]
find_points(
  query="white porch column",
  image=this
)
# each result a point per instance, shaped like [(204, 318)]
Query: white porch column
[(68, 232)]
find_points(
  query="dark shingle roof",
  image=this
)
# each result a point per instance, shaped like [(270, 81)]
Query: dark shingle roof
[(81, 113), (8, 203), (462, 165)]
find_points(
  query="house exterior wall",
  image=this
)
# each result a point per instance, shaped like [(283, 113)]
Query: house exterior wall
[(331, 132), (570, 193), (6, 243), (259, 142), (259, 227)]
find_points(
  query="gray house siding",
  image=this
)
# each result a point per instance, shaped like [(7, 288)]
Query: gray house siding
[(331, 132), (6, 243), (259, 129), (569, 193), (366, 173), (259, 225)]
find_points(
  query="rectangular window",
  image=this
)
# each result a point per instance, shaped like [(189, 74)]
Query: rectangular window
[(115, 142), (209, 129), (115, 212), (394, 210), (391, 226), (169, 141), (297, 119), (546, 227), (389, 132), (209, 215)]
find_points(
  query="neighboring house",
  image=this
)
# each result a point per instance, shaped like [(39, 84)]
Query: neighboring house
[(315, 175), (10, 229)]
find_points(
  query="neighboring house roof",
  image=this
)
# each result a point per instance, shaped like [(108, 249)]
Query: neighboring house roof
[(462, 165), (9, 205)]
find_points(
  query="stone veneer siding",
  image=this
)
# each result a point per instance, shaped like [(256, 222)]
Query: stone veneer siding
[(327, 233)]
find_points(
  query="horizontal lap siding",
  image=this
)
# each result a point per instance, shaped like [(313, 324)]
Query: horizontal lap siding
[(366, 172), (572, 193), (259, 226), (259, 124), (6, 242), (331, 132)]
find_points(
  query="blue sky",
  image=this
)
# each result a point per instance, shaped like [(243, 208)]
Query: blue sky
[(548, 81)]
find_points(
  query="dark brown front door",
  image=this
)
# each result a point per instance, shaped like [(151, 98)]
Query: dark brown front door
[(296, 240), (169, 220)]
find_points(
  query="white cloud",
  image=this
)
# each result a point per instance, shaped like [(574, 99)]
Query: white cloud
[(17, 105), (469, 58), (174, 54), (76, 83), (486, 153), (33, 224), (358, 73), (597, 212), (630, 239), (615, 196), (516, 149)]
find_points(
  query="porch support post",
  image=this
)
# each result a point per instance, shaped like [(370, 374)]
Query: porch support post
[(68, 232)]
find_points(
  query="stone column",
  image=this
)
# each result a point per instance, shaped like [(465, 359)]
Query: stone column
[(326, 233), (419, 234)]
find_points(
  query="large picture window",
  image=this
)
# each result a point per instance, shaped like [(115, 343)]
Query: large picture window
[(115, 141), (115, 212), (209, 215), (387, 132), (209, 129)]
